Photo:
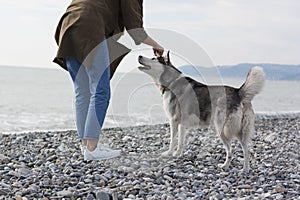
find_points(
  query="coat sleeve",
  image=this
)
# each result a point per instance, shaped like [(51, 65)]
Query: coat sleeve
[(132, 14)]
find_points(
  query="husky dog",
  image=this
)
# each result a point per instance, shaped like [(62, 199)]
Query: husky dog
[(190, 104)]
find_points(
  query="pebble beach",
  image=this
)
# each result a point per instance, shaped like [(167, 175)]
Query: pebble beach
[(49, 165)]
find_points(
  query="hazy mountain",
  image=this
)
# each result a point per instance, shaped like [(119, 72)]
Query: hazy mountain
[(273, 71)]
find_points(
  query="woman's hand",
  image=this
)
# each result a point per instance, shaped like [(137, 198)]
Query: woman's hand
[(157, 49)]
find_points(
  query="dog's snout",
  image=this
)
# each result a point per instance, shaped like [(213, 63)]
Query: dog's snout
[(140, 59)]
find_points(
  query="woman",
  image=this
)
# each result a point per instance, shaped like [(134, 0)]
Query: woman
[(87, 47)]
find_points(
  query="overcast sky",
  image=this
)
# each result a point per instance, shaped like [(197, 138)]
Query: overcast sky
[(230, 31)]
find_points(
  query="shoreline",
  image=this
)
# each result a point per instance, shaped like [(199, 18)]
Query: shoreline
[(258, 116), (49, 165)]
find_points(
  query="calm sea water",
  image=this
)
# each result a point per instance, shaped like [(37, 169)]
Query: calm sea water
[(34, 99)]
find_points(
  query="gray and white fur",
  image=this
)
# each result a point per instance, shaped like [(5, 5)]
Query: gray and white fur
[(190, 104)]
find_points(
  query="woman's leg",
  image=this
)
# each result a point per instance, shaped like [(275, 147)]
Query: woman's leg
[(99, 79), (82, 93), (99, 103), (92, 87)]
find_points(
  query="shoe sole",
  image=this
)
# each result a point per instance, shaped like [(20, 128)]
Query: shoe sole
[(104, 158)]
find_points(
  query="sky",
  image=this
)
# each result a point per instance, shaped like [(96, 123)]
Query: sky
[(229, 31)]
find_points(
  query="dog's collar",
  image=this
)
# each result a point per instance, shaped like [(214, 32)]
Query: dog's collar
[(161, 60), (163, 90), (166, 88)]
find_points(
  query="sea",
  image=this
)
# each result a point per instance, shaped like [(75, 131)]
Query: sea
[(42, 99)]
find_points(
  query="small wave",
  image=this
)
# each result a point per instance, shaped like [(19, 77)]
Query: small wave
[(277, 115)]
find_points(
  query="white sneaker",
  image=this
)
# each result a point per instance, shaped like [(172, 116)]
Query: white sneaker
[(82, 149), (102, 152)]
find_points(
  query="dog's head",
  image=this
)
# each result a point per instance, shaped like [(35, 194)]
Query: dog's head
[(157, 66)]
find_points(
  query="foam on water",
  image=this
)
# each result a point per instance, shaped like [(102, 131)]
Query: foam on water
[(277, 115)]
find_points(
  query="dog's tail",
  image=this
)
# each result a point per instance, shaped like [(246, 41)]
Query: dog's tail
[(253, 84)]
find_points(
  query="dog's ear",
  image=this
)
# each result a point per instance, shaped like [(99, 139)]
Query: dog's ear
[(168, 61)]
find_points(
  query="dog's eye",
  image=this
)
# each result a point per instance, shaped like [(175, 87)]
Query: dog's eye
[(153, 59)]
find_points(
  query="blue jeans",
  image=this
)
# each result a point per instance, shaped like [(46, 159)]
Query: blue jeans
[(92, 89)]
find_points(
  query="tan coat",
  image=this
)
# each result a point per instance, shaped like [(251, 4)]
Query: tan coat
[(86, 22)]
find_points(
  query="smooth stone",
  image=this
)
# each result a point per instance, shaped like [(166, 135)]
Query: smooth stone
[(260, 190), (101, 195), (90, 197), (75, 174), (4, 185), (3, 157), (38, 162), (224, 188), (280, 189), (100, 177), (24, 171), (262, 179), (279, 196), (126, 169), (223, 174), (51, 158), (14, 173), (270, 138), (65, 193), (245, 186), (9, 164), (88, 180), (265, 195), (4, 191), (168, 178), (170, 198), (38, 140)]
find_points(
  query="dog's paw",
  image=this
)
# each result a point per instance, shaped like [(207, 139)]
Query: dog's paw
[(178, 154), (223, 166), (245, 170), (166, 153)]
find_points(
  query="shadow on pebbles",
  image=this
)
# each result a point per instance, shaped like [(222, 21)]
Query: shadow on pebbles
[(49, 165)]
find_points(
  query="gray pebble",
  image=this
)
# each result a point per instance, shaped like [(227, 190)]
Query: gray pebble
[(65, 193)]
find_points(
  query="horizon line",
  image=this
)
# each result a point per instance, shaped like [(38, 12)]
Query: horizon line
[(223, 65)]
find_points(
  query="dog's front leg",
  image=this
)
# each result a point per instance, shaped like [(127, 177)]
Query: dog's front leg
[(181, 141), (174, 131)]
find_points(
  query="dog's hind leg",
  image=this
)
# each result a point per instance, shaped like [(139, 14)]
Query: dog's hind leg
[(174, 132), (181, 141), (244, 144), (246, 133), (227, 144), (246, 156)]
